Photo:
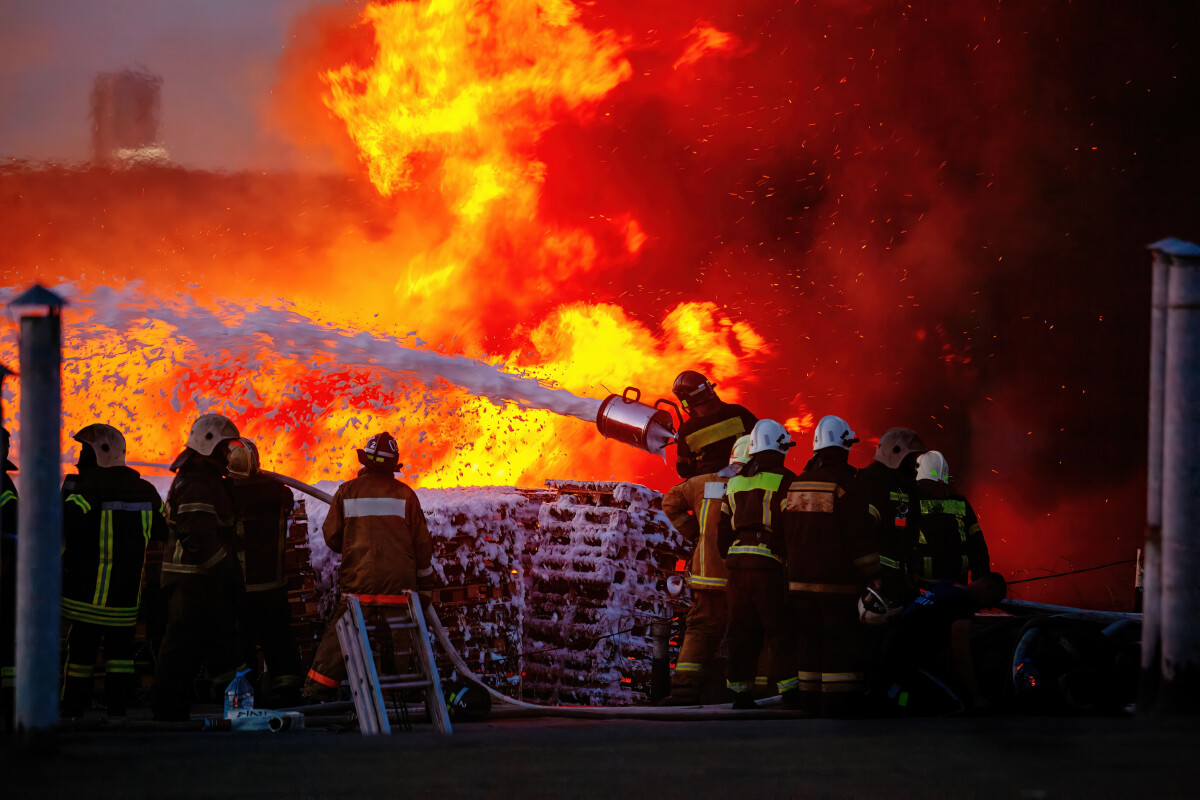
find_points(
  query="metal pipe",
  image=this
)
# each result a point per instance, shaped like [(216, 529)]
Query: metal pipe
[(1151, 591), (39, 530), (1179, 691)]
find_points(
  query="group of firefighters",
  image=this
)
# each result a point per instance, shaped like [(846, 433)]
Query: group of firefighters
[(811, 576), (224, 592), (846, 585)]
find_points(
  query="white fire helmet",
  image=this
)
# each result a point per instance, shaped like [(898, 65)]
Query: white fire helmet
[(209, 431), (106, 442), (833, 432), (741, 450), (932, 466), (769, 435), (875, 609), (896, 444)]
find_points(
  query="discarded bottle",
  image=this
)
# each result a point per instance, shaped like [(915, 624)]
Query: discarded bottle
[(239, 695)]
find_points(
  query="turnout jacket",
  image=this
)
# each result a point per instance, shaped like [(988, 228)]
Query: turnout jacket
[(377, 524), (109, 515), (893, 496), (751, 529), (830, 529), (949, 540), (704, 444), (263, 507), (201, 520), (694, 508)]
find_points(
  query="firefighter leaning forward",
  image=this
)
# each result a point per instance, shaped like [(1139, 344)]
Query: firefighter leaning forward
[(264, 507), (376, 523), (109, 516), (694, 508), (706, 437), (832, 552), (891, 488), (750, 537), (201, 576)]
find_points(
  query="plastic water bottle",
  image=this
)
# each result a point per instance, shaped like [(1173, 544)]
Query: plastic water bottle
[(239, 695)]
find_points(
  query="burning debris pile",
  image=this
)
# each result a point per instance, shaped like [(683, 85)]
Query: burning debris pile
[(548, 594)]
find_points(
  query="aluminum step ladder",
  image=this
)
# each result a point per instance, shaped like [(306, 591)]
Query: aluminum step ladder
[(367, 686)]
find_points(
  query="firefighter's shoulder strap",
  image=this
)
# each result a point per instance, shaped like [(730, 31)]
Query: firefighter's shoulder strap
[(367, 686)]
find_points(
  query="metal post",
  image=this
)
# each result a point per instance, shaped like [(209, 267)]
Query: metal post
[(1151, 591), (1180, 560), (660, 659), (39, 530)]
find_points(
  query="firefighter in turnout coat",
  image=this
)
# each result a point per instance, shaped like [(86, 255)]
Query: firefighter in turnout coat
[(201, 576), (891, 487), (694, 508), (950, 543), (109, 516), (750, 537), (264, 506), (832, 553), (376, 523), (706, 437)]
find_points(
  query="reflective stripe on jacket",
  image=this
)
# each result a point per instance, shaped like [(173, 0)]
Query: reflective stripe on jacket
[(377, 524), (109, 515), (201, 521), (694, 508), (751, 524), (830, 532), (949, 542)]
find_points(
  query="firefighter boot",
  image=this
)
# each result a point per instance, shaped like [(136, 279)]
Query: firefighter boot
[(743, 701)]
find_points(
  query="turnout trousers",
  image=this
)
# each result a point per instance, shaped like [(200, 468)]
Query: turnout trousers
[(202, 629), (833, 652), (329, 665), (706, 621), (266, 622), (83, 644), (758, 617)]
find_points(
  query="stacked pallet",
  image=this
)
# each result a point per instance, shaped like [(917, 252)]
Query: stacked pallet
[(479, 537), (548, 594), (307, 621), (596, 581)]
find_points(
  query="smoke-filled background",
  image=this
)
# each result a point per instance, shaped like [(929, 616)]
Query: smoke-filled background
[(926, 214)]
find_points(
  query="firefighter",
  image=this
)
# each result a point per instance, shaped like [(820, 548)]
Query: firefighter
[(264, 506), (832, 553), (694, 508), (706, 438), (750, 537), (950, 543), (8, 583), (376, 523), (891, 487), (927, 667), (109, 516), (201, 576)]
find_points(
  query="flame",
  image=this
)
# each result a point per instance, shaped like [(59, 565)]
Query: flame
[(445, 109), (703, 40)]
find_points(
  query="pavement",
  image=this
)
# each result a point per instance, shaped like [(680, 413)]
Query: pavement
[(723, 756)]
